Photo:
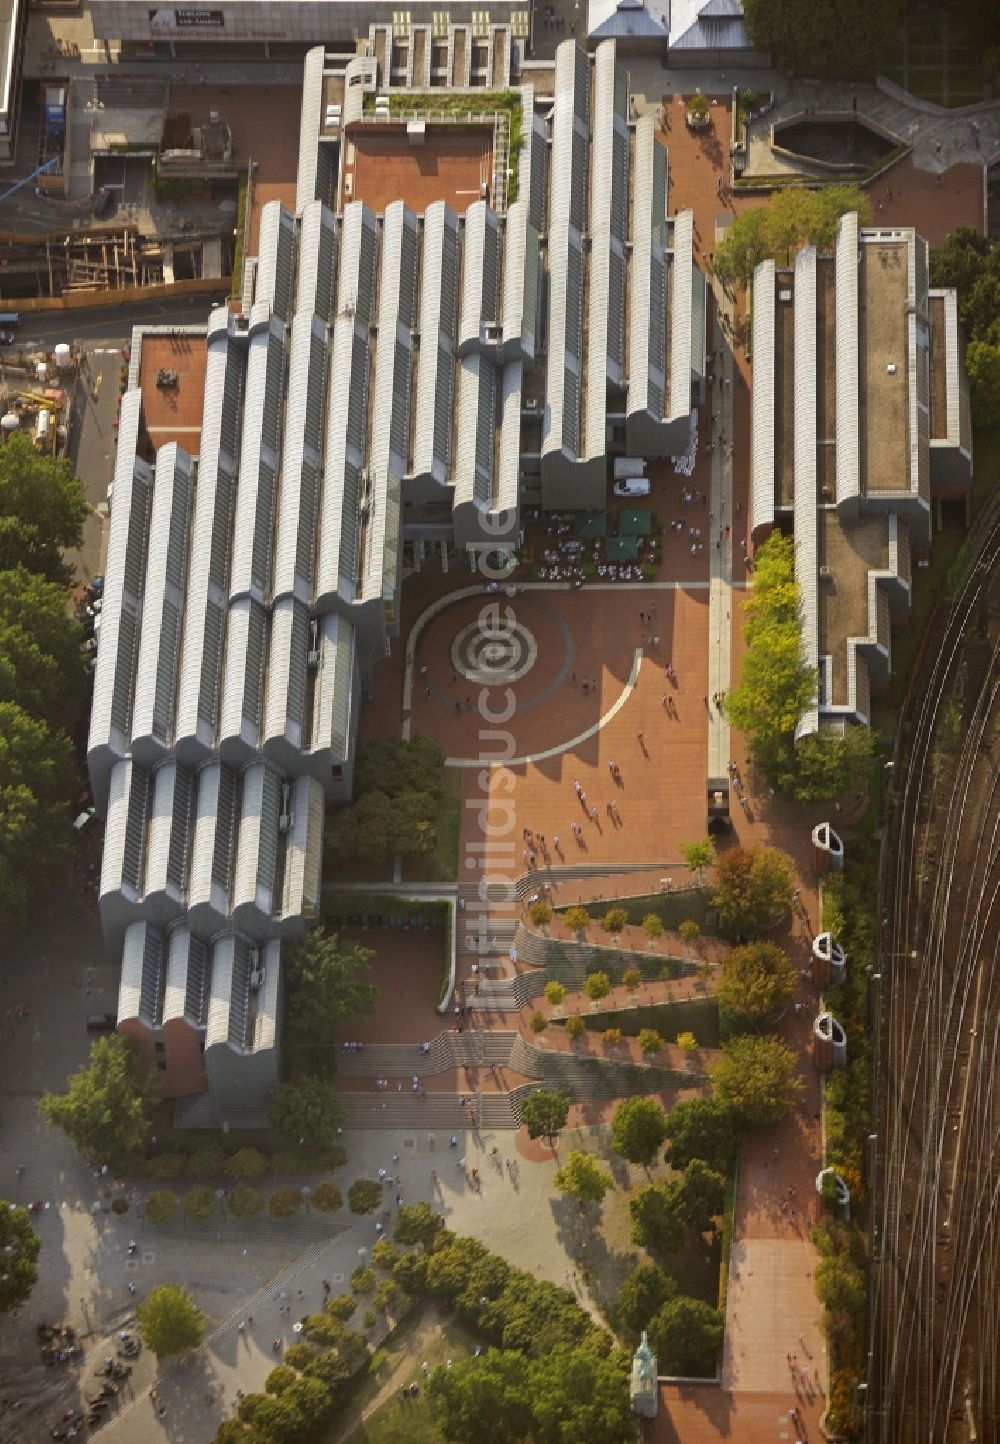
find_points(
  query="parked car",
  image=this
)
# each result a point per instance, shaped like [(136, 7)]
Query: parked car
[(6, 338), (83, 819), (102, 1023)]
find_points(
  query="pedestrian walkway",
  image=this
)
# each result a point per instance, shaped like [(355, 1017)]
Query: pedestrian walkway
[(720, 596)]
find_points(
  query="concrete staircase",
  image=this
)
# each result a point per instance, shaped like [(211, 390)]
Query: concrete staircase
[(434, 1113)]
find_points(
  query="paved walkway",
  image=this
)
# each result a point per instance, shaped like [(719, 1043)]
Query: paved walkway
[(721, 538)]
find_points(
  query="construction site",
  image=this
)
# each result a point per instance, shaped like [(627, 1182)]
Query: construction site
[(37, 392)]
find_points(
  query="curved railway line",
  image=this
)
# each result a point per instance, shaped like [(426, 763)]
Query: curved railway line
[(934, 1345)]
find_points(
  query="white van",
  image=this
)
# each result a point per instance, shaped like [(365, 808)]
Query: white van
[(632, 486)]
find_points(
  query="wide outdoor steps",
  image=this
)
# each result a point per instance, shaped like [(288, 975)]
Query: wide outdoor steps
[(448, 1050), (589, 1077), (434, 1112)]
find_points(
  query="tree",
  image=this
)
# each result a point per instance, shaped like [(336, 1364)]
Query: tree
[(327, 983), (597, 986), (825, 764), (107, 1109), (42, 509), (614, 920), (538, 1023), (307, 1114), (642, 1294), (19, 1249), (544, 1113), (284, 1202), (741, 249), (758, 1077), (417, 1223), (753, 887), (656, 1221), (698, 856), (161, 1205), (342, 1307), (364, 1196), (849, 39), (244, 1201), (394, 767), (485, 1400), (384, 1253), (613, 1037), (757, 983), (41, 668), (690, 931), (37, 778), (982, 361), (699, 1194), (554, 993), (388, 1297), (638, 1128), (687, 1042), (540, 913), (413, 824), (200, 1202), (583, 1178), (686, 1336), (169, 1320), (245, 1164), (363, 1280), (296, 1414), (575, 1026), (631, 978), (326, 1196), (410, 1272), (650, 1041), (703, 1128), (652, 926), (580, 1396), (577, 919), (281, 1377)]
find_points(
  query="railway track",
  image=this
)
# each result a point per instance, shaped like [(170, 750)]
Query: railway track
[(934, 1344)]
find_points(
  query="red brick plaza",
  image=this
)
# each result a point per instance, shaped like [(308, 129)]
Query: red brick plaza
[(551, 731)]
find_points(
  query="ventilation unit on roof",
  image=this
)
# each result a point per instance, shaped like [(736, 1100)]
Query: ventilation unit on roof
[(825, 573), (784, 295)]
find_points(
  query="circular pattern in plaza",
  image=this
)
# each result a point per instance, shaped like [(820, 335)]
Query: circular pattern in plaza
[(494, 658)]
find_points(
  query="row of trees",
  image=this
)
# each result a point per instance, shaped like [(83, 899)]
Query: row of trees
[(551, 1373), (793, 217), (42, 675), (777, 686), (108, 1108), (398, 788), (971, 263)]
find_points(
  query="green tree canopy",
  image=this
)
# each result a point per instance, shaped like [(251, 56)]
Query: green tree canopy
[(795, 216), (42, 509), (851, 38), (597, 986), (364, 1195), (753, 887), (656, 1221), (642, 1294), (37, 778), (704, 1128), (982, 361), (169, 1320), (544, 1113), (41, 668), (417, 1223), (825, 764), (327, 983), (699, 1194), (307, 1114), (971, 263), (107, 1109), (638, 1128), (583, 1178), (483, 1401), (758, 1077), (19, 1249), (757, 982), (697, 856), (686, 1336), (581, 1397), (395, 767)]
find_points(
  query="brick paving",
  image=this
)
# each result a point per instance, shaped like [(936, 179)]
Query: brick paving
[(450, 164), (174, 413)]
